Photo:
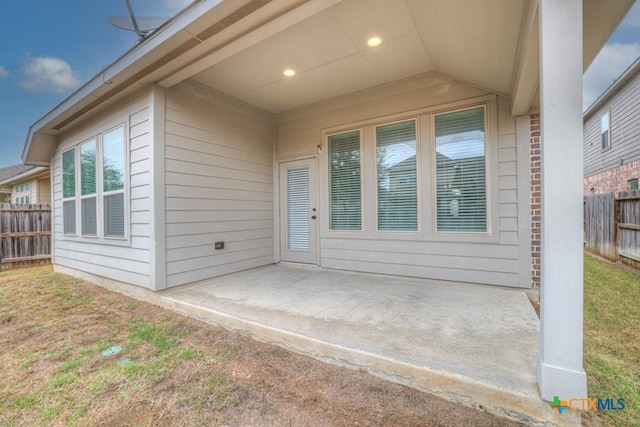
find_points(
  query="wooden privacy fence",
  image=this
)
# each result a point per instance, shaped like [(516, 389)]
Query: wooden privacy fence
[(628, 222), (25, 234), (612, 226)]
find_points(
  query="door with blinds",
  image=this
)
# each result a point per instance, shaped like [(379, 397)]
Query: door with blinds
[(298, 211)]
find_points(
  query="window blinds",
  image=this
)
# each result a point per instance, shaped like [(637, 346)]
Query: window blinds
[(298, 222), (460, 171), (89, 217), (114, 215), (345, 198), (397, 177), (69, 216)]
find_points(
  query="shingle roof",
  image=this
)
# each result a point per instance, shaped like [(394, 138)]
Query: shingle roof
[(11, 171)]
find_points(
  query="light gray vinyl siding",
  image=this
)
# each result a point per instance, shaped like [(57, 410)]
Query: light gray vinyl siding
[(502, 258), (624, 109), (219, 185), (44, 190), (125, 261)]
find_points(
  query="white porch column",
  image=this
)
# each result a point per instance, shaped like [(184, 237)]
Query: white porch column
[(560, 370)]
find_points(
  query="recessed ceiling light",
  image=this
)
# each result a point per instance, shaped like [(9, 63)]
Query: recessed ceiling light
[(289, 72), (374, 41)]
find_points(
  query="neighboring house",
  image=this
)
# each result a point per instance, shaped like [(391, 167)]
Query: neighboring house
[(246, 132), (13, 180), (27, 184), (612, 136), (7, 173)]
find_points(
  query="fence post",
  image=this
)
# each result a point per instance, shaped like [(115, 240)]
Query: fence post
[(616, 222)]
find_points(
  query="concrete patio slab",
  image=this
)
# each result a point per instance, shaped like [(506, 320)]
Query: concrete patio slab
[(476, 345)]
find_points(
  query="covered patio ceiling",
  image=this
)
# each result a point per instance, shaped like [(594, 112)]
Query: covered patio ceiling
[(475, 42), (241, 48), (490, 44)]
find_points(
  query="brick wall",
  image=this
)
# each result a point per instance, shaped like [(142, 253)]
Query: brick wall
[(534, 141), (613, 180)]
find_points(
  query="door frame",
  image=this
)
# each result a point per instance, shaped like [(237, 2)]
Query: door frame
[(278, 199)]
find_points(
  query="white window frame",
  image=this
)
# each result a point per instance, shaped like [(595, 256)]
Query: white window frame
[(325, 170), (94, 195), (425, 148), (75, 186), (419, 227), (486, 174), (607, 116), (104, 194), (101, 236)]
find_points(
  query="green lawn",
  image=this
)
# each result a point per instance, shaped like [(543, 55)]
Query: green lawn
[(612, 338)]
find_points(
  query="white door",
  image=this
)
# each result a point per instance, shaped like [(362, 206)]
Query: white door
[(298, 211)]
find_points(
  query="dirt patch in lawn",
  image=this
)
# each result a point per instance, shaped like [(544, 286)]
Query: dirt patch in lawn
[(176, 370)]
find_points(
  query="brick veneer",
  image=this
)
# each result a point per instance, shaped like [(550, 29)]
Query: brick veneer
[(613, 180), (534, 142)]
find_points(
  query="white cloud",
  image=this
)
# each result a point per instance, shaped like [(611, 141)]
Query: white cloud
[(612, 60), (49, 74), (3, 72)]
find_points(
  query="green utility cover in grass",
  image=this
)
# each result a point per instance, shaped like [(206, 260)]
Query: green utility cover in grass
[(112, 350), (124, 362)]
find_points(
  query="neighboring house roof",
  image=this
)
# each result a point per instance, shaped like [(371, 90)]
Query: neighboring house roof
[(9, 172), (239, 47), (18, 173), (629, 74)]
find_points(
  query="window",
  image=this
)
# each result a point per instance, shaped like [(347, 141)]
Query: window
[(91, 188), (26, 199), (633, 184), (446, 200), (69, 191), (88, 188), (396, 177), (461, 203), (345, 196), (605, 132), (21, 188), (113, 182)]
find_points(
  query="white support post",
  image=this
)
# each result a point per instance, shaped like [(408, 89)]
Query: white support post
[(560, 369)]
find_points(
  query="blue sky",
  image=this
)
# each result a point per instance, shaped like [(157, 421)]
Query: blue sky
[(50, 47)]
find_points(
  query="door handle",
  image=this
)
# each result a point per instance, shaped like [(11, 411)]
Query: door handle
[(313, 217)]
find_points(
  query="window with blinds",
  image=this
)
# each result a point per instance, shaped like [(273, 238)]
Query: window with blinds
[(114, 215), (93, 183), (88, 188), (113, 182), (605, 131), (345, 194), (69, 216), (69, 191), (397, 177), (461, 194), (298, 221), (69, 173)]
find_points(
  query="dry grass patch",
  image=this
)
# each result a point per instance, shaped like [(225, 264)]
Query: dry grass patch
[(183, 372)]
